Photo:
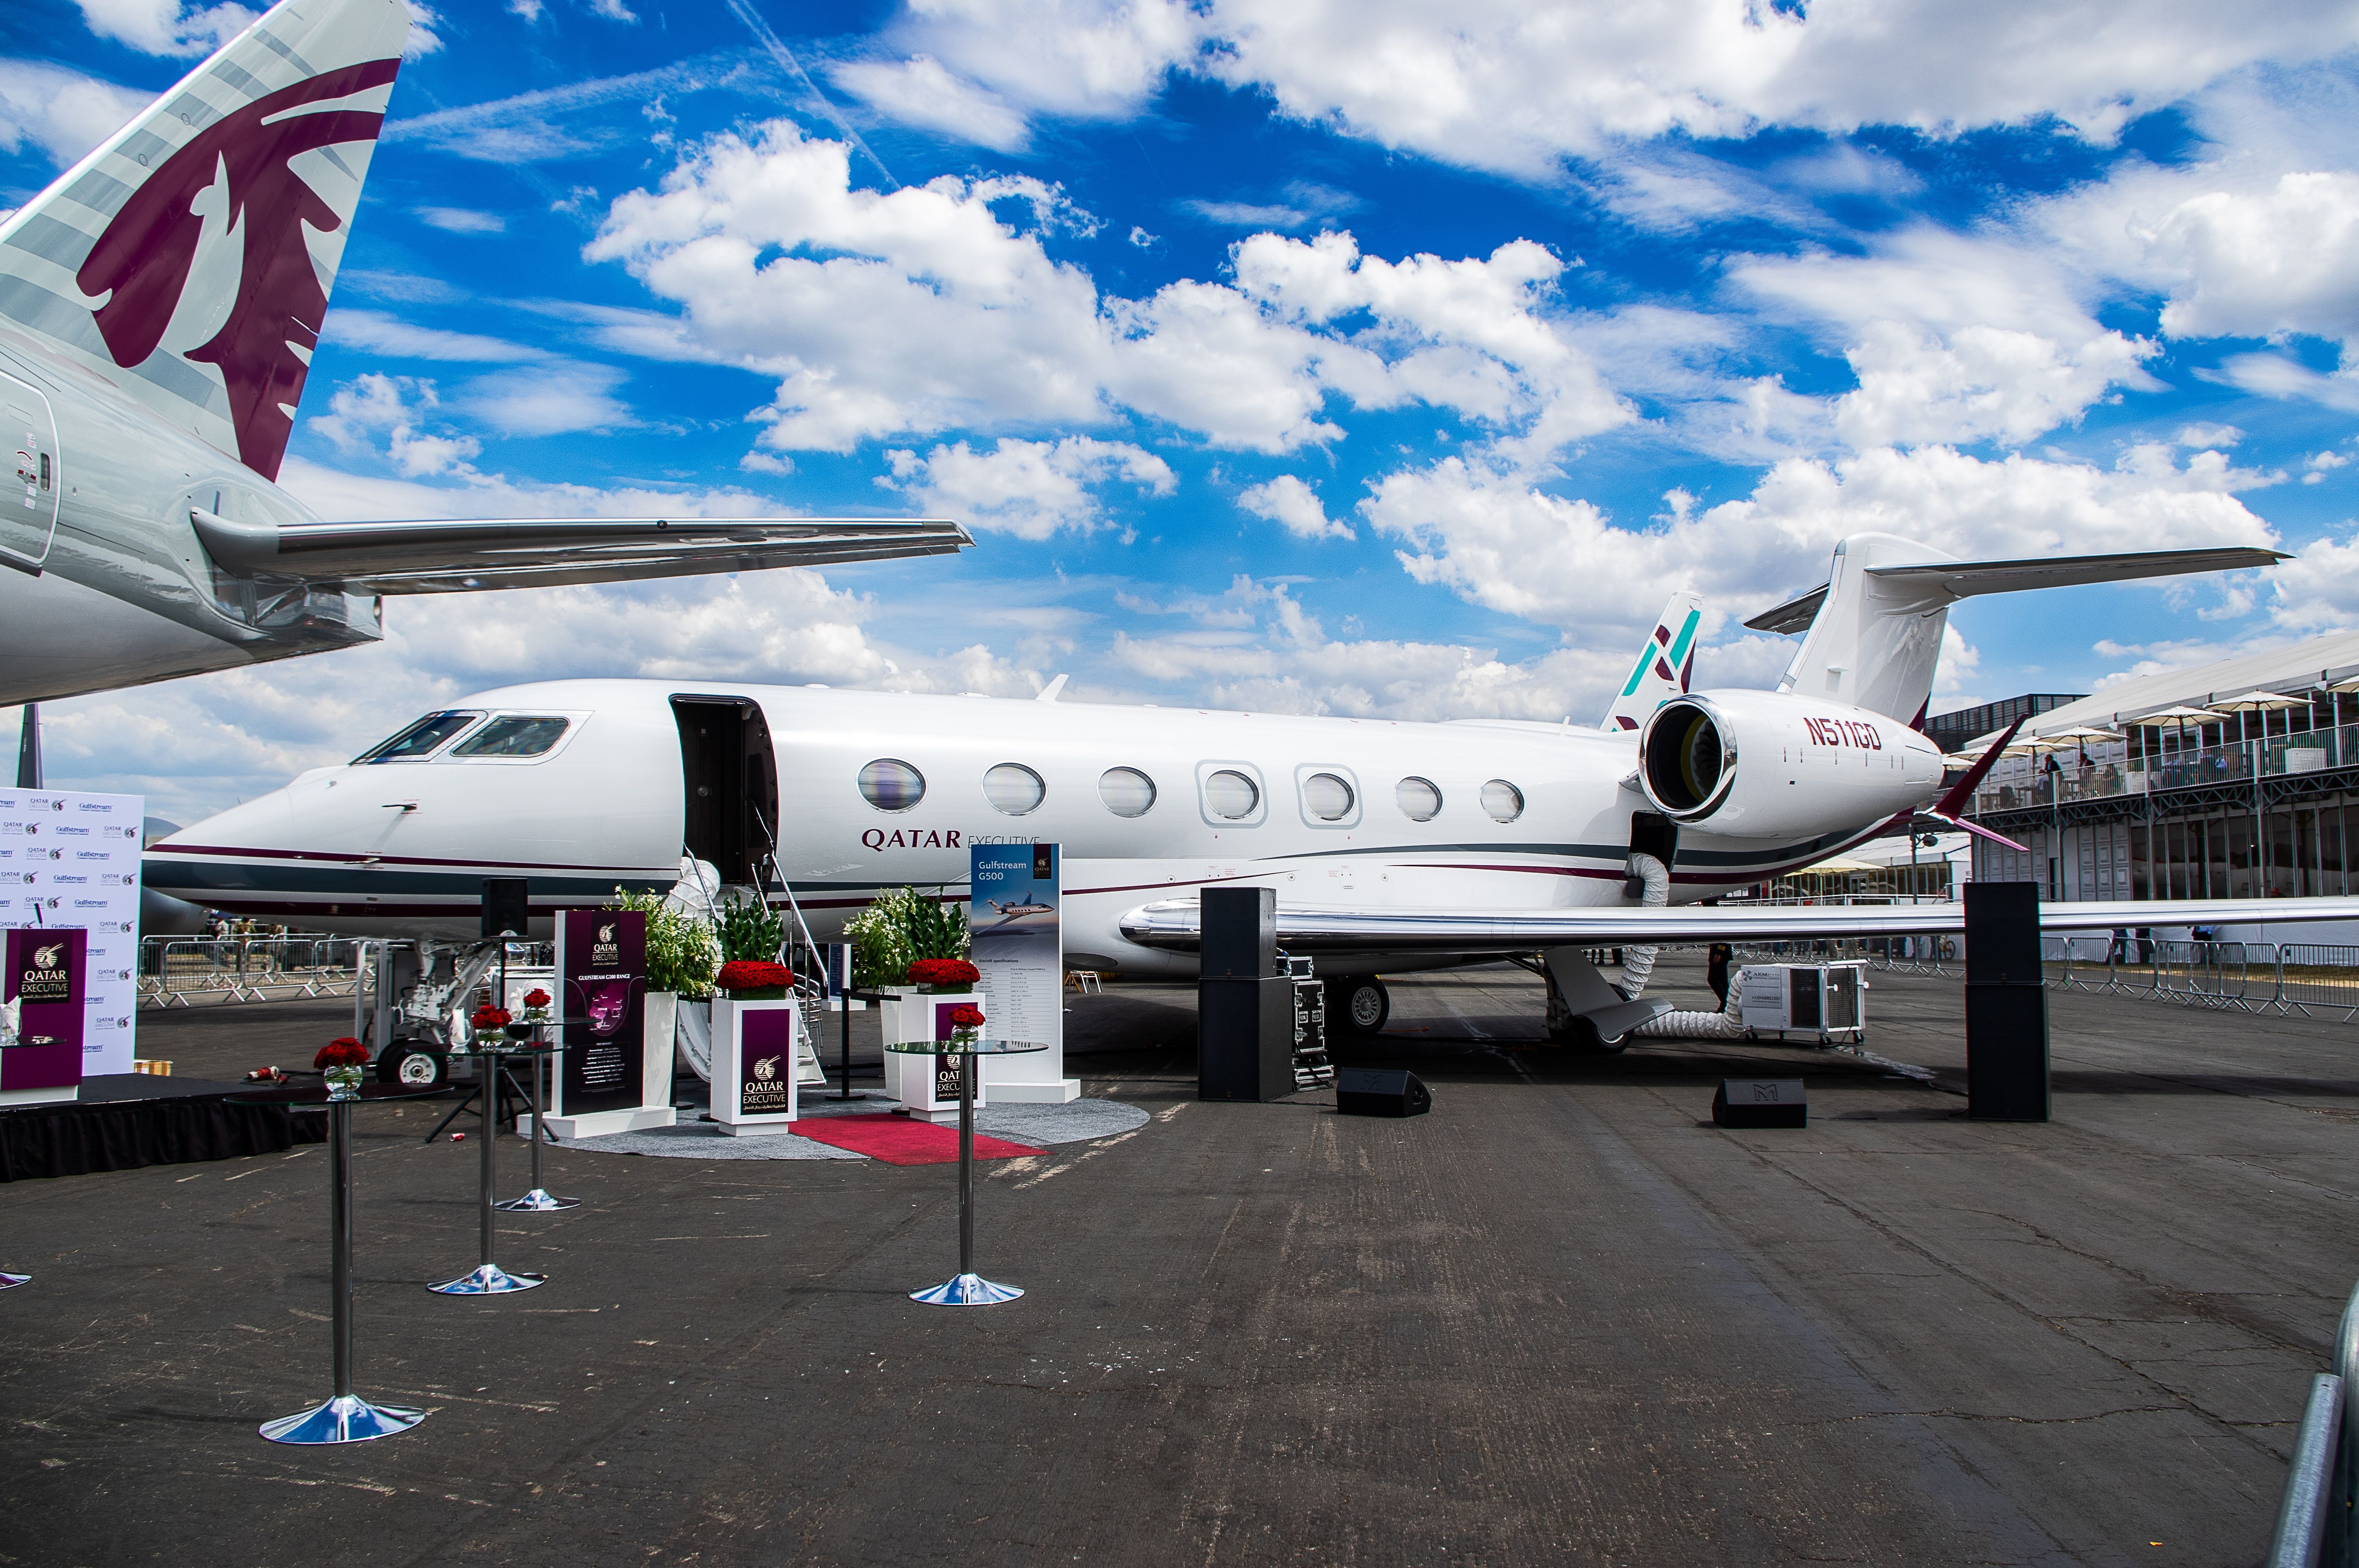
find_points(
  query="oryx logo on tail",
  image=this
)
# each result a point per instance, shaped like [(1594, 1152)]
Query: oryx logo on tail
[(143, 258)]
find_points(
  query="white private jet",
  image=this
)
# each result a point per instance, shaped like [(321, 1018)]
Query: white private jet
[(1393, 844), (159, 304)]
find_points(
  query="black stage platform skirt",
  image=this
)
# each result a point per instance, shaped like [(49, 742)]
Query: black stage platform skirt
[(124, 1121)]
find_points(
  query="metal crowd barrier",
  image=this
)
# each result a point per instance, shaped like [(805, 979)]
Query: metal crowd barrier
[(2318, 1520), (2245, 977), (177, 972)]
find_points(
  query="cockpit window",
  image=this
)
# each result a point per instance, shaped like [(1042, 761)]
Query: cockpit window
[(513, 735), (420, 740)]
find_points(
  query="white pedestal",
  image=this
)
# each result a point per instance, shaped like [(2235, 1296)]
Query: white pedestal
[(733, 1059), (1064, 1091), (911, 1078), (599, 1123)]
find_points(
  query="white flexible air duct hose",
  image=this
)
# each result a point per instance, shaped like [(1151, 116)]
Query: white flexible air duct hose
[(1725, 1025), (1638, 963)]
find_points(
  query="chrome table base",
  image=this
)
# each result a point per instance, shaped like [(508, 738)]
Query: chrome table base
[(967, 1289), (537, 1202), (488, 1280), (10, 1282), (347, 1418)]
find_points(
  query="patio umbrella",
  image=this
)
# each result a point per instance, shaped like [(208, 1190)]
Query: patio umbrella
[(2261, 702)]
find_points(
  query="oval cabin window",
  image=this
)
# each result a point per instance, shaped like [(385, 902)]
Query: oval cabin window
[(1503, 800), (1326, 797), (1126, 792), (1229, 794), (1420, 800), (1013, 789), (890, 784)]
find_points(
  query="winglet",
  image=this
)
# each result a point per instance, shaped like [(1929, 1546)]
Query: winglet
[(1954, 800)]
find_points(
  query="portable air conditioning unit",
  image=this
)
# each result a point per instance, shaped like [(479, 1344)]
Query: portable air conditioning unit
[(1826, 1002)]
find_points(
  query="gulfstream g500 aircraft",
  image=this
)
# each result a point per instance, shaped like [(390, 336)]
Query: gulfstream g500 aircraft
[(1393, 845), (158, 307)]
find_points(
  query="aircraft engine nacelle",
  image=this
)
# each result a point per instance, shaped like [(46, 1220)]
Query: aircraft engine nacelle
[(1765, 764)]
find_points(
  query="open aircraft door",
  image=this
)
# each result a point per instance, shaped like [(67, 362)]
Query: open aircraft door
[(731, 785), (29, 507)]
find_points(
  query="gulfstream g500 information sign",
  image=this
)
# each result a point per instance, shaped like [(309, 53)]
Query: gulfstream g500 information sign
[(1016, 937)]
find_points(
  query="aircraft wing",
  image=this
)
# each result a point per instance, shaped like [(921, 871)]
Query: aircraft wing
[(1173, 924), (434, 556)]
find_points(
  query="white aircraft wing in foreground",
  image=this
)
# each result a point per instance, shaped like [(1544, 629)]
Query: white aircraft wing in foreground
[(1171, 924)]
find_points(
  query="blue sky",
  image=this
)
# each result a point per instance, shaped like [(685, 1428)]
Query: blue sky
[(1382, 358)]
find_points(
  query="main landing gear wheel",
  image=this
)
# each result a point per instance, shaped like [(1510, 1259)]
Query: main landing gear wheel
[(407, 1062), (1361, 1006)]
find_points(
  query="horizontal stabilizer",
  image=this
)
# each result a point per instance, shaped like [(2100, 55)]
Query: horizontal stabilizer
[(1172, 924), (1795, 615), (433, 556), (1963, 579)]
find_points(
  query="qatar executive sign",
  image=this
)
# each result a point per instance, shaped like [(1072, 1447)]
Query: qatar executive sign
[(71, 860), (602, 993)]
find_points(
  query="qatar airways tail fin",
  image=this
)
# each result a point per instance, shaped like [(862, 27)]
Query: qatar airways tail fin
[(1665, 665), (1873, 629), (188, 260)]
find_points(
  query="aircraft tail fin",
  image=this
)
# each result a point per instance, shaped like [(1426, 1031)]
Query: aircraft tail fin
[(1874, 628), (1666, 664), (187, 259)]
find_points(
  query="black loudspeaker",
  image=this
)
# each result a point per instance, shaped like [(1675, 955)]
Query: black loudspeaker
[(1245, 1039), (1238, 940), (2007, 1052), (508, 907), (2007, 1004), (1760, 1102), (1381, 1091), (2003, 934)]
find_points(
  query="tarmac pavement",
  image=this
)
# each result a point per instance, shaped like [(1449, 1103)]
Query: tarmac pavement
[(1560, 1319)]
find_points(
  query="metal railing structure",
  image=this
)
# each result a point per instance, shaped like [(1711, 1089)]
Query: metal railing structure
[(2318, 1519), (2285, 979), (2316, 750), (191, 972)]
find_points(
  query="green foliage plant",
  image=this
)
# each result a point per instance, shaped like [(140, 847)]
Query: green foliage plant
[(901, 928), (751, 929), (683, 953)]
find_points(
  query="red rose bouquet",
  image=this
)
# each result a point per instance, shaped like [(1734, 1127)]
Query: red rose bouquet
[(341, 1063), (490, 1020), (965, 1020), (344, 1053), (943, 974), (755, 978), (536, 1003)]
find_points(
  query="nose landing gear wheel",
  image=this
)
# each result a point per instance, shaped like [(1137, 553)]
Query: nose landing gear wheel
[(1361, 1006), (405, 1063)]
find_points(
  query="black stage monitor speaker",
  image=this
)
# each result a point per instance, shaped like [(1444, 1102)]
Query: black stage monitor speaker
[(1381, 1091), (1760, 1102), (1238, 940), (508, 907)]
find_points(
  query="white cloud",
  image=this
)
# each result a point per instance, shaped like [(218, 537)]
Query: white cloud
[(1295, 507), (2275, 375), (463, 220), (1498, 542), (2207, 435), (405, 339), (1500, 84), (393, 407), (2263, 262), (938, 307), (549, 399), (62, 111), (1029, 489), (1953, 337), (920, 93), (165, 26)]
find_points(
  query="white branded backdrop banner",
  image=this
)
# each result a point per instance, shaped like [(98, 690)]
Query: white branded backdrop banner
[(72, 860)]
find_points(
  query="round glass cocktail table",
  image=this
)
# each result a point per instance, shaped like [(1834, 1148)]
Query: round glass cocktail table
[(493, 1053), (344, 1416), (968, 1288)]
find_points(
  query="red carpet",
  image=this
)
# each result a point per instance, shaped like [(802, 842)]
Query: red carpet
[(903, 1140)]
